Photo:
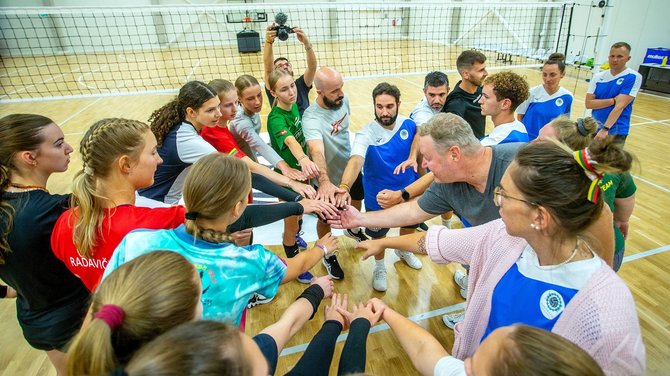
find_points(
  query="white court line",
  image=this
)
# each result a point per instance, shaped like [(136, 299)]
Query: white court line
[(653, 95), (410, 82), (455, 307), (62, 123), (652, 184)]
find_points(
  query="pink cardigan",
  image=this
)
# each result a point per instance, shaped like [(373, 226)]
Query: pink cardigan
[(601, 318)]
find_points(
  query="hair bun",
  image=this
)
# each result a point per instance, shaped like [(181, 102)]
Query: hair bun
[(556, 56)]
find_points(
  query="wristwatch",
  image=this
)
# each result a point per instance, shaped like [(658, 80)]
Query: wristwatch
[(404, 194)]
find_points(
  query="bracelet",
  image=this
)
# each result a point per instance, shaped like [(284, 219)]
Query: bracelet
[(308, 47), (303, 156), (614, 100), (269, 41), (348, 188), (323, 247)]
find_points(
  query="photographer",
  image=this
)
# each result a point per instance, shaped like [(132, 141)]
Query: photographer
[(304, 82)]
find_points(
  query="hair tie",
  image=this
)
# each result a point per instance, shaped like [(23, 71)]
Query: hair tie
[(191, 216), (111, 314), (88, 171), (584, 161), (580, 127)]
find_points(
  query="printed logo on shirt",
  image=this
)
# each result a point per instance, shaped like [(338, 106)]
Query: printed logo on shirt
[(551, 304), (404, 134), (619, 81), (559, 102), (283, 132), (335, 126)]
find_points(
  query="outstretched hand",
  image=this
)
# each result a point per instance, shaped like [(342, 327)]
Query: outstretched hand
[(331, 311), (349, 217), (326, 284), (371, 247), (362, 310)]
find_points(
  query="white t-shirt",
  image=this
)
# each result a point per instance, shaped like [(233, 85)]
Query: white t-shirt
[(423, 112), (449, 366)]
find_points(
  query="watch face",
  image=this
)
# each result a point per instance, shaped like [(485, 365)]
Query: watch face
[(405, 195)]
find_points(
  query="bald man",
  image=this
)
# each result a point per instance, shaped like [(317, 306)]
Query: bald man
[(326, 128)]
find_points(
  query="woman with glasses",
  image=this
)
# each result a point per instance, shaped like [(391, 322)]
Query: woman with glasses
[(535, 266)]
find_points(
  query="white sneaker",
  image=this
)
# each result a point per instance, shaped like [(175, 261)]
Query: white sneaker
[(452, 319), (410, 259), (461, 279), (379, 279)]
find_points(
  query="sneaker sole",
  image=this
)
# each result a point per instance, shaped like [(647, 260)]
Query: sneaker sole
[(352, 236)]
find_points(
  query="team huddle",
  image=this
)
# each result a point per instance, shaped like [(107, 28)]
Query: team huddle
[(149, 267)]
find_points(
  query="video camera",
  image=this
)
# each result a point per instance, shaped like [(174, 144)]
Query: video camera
[(281, 28)]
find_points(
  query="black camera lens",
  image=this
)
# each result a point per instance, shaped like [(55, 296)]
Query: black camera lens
[(282, 33)]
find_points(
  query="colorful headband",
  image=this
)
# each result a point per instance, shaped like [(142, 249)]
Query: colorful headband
[(583, 160), (191, 215), (580, 127), (111, 314)]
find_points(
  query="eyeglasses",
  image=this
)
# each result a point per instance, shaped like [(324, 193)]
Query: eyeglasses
[(498, 194)]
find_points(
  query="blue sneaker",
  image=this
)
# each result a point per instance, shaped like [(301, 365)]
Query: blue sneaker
[(305, 277), (302, 244)]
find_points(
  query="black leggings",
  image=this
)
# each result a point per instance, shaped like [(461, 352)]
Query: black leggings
[(319, 354), (265, 185)]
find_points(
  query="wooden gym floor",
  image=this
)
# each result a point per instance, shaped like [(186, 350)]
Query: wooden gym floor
[(423, 295)]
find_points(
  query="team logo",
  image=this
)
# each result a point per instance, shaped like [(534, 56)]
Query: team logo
[(559, 102), (551, 304), (404, 134), (619, 81), (283, 132)]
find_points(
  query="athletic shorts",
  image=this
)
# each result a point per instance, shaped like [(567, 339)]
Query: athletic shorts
[(53, 329)]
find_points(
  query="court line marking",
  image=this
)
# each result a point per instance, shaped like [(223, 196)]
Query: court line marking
[(652, 184), (62, 123), (455, 307)]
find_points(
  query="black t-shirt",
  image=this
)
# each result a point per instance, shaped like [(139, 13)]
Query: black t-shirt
[(467, 106), (41, 280), (303, 94)]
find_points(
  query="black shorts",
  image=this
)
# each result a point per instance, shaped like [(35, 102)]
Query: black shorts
[(356, 192), (53, 329), (268, 347)]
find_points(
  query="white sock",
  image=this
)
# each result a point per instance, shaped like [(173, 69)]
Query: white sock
[(446, 223), (380, 264)]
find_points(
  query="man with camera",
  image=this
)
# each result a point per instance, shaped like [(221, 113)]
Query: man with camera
[(304, 82)]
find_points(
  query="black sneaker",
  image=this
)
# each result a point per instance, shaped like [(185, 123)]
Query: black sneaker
[(358, 236), (257, 299), (333, 267)]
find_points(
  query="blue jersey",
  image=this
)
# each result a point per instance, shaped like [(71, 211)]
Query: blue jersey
[(541, 108), (383, 150), (506, 133), (537, 295), (603, 85), (229, 274)]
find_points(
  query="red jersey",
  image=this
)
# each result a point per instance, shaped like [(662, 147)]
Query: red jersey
[(222, 140), (118, 222)]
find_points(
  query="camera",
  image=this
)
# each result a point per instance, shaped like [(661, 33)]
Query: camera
[(282, 29)]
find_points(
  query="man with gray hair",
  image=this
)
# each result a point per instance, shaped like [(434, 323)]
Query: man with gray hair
[(466, 174)]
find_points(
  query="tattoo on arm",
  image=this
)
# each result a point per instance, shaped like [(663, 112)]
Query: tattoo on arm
[(422, 245)]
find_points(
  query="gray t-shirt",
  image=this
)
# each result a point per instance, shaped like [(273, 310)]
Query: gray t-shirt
[(246, 131), (475, 207), (331, 127)]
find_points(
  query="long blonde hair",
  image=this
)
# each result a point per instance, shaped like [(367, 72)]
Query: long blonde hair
[(156, 291), (102, 145), (213, 186), (274, 77)]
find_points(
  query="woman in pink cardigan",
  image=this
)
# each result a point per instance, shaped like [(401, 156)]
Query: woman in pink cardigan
[(535, 266)]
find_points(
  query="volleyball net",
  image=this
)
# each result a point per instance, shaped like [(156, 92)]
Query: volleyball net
[(80, 51)]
